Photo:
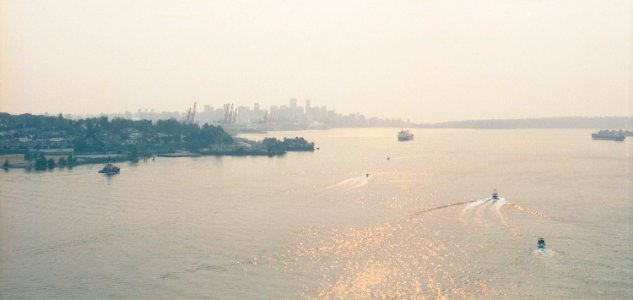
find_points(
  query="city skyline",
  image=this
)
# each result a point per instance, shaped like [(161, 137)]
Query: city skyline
[(292, 115)]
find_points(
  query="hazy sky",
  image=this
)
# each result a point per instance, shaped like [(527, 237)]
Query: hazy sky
[(424, 60)]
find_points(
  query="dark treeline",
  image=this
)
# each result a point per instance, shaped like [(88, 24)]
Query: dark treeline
[(273, 145), (123, 140), (100, 135)]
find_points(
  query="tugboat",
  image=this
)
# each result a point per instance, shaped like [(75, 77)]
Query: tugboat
[(110, 169), (495, 195), (405, 135), (541, 244)]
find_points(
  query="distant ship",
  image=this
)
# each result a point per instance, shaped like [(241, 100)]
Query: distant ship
[(608, 135), (110, 169), (495, 195), (405, 135)]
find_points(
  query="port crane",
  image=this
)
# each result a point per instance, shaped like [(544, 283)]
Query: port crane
[(191, 114), (230, 115)]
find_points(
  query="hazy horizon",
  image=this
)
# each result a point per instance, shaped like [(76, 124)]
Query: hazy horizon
[(420, 60), (441, 122)]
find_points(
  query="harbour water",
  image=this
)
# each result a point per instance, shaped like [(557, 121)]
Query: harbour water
[(365, 216)]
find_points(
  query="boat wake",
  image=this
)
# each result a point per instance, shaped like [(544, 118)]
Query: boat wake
[(475, 210), (480, 209), (418, 213), (470, 206), (497, 207), (544, 252), (351, 183), (528, 211)]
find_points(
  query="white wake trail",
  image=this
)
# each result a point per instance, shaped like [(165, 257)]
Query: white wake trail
[(474, 204), (497, 207), (470, 206), (359, 183), (498, 204), (477, 214), (351, 183)]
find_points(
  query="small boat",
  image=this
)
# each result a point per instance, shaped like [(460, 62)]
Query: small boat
[(367, 175), (405, 135), (541, 244), (495, 195), (110, 169)]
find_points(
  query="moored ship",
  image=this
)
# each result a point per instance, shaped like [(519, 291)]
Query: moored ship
[(405, 135), (608, 135)]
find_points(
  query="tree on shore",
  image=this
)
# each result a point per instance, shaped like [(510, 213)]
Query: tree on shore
[(41, 163), (50, 163), (201, 137), (272, 145), (72, 160)]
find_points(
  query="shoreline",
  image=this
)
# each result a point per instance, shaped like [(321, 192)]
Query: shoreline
[(17, 161)]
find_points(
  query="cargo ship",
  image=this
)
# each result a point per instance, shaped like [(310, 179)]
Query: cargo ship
[(608, 135)]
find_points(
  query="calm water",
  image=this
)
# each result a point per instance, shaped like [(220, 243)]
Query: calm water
[(313, 225)]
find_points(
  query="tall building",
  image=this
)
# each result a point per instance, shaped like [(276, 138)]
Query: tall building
[(293, 103)]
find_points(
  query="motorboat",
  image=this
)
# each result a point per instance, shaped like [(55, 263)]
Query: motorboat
[(495, 195), (110, 169), (541, 244)]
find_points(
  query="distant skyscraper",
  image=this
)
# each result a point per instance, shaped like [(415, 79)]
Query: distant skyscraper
[(293, 102), (256, 107), (307, 105)]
